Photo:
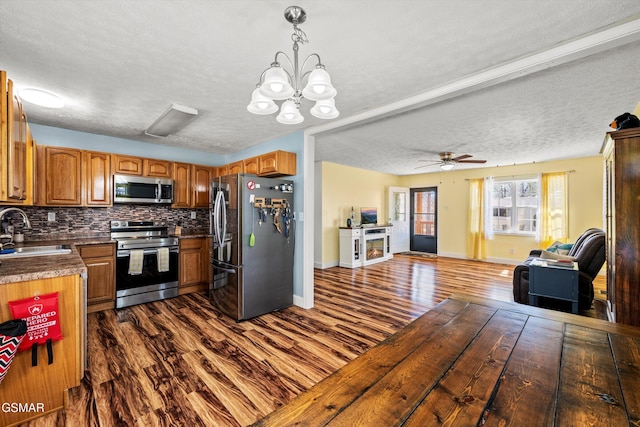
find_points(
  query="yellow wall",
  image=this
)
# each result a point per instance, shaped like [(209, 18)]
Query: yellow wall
[(343, 187), (585, 203)]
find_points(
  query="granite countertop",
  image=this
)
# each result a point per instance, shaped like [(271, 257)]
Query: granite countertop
[(193, 233), (21, 269)]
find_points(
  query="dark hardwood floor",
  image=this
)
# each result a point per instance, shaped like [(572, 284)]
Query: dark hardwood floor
[(180, 362)]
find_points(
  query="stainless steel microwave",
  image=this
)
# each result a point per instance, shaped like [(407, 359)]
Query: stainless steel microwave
[(138, 189)]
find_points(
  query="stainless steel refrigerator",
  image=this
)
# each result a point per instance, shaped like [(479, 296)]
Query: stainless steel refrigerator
[(253, 226)]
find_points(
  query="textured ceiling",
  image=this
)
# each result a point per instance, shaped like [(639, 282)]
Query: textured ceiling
[(119, 64)]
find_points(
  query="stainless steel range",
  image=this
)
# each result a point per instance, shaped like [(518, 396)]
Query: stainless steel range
[(146, 262)]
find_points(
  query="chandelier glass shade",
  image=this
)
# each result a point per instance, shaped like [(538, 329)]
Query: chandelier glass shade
[(279, 84), (261, 104), (289, 114)]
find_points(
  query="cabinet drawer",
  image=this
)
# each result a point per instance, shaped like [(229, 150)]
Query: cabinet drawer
[(191, 243), (93, 251)]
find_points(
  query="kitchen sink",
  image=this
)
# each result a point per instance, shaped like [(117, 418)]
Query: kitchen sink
[(28, 251)]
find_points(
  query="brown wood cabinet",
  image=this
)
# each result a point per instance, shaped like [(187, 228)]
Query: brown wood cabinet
[(181, 185), (96, 172), (622, 179), (16, 187), (46, 384), (200, 181), (127, 165), (220, 171), (235, 167), (130, 165), (101, 275), (252, 165), (277, 163), (59, 179), (157, 168), (194, 265)]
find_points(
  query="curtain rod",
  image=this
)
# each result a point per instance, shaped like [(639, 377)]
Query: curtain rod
[(524, 174)]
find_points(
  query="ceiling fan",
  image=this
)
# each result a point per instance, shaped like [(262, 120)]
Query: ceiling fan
[(448, 161)]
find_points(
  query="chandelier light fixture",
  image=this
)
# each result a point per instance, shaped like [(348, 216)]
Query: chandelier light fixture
[(278, 84)]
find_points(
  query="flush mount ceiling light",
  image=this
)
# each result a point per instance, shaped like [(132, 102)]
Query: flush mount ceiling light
[(41, 97), (278, 84), (171, 121)]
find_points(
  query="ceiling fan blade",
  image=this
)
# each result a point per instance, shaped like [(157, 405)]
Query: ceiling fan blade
[(430, 160), (464, 156), (433, 163), (472, 161)]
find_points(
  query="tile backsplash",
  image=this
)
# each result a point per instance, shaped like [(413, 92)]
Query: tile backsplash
[(94, 222)]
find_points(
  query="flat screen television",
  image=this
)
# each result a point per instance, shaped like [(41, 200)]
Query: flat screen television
[(368, 216)]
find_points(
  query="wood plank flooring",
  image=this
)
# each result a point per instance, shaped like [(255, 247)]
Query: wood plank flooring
[(181, 362)]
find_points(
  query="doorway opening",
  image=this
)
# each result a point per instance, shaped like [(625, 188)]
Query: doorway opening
[(424, 220)]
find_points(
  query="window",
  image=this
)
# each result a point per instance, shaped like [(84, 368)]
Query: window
[(515, 205)]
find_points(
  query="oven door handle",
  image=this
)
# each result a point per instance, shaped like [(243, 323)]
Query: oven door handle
[(126, 253)]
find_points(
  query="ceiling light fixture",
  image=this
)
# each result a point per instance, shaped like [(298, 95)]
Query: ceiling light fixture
[(171, 121), (447, 165), (278, 84), (41, 97)]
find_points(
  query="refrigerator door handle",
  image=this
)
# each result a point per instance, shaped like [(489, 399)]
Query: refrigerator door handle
[(216, 220), (223, 203)]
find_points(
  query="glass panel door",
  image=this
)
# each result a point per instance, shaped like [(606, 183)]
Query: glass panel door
[(424, 208)]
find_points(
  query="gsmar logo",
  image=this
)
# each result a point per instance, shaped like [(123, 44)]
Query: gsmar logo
[(22, 407)]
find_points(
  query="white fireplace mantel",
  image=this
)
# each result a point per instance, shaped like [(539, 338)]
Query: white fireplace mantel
[(362, 246)]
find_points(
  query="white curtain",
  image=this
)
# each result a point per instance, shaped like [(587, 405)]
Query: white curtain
[(488, 209)]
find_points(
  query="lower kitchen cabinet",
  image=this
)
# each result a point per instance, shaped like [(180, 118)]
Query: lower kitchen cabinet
[(45, 387), (194, 265), (101, 279)]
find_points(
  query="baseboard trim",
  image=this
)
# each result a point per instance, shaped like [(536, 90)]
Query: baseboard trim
[(322, 266)]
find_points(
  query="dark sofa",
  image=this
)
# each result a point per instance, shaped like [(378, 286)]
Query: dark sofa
[(588, 251)]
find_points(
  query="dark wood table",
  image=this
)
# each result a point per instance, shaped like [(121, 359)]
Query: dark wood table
[(473, 361)]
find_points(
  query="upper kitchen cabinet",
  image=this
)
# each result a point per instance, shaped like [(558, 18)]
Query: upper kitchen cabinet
[(251, 165), (156, 168), (96, 177), (235, 167), (200, 178), (277, 163), (15, 147), (244, 166), (59, 178), (220, 171), (127, 165), (181, 185)]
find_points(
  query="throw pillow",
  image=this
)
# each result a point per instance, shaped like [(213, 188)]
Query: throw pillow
[(560, 248)]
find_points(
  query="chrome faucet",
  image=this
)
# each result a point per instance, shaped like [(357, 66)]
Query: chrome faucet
[(27, 223)]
